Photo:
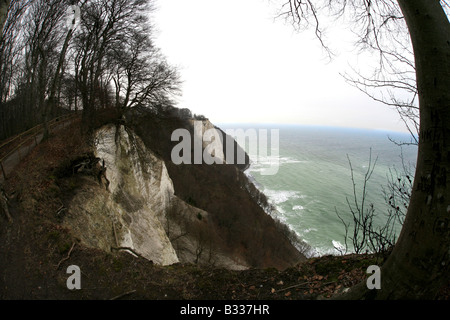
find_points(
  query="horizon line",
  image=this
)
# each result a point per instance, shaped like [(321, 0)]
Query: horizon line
[(308, 125)]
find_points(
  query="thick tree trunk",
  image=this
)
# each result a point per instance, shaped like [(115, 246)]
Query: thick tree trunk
[(419, 265)]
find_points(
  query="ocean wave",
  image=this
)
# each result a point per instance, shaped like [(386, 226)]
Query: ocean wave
[(258, 161), (289, 160), (337, 249), (308, 230), (280, 196), (338, 246)]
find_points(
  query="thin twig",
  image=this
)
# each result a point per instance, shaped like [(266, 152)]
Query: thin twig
[(66, 258), (305, 283), (295, 286), (123, 295), (130, 251), (115, 233)]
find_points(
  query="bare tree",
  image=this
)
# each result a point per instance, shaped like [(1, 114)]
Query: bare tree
[(43, 61), (380, 29), (362, 227), (10, 56), (107, 60), (141, 76), (425, 233), (10, 47), (362, 213), (98, 29), (114, 46)]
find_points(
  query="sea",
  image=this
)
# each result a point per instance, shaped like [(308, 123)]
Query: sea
[(313, 181)]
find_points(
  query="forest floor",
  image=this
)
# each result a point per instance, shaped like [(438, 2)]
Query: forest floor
[(13, 153)]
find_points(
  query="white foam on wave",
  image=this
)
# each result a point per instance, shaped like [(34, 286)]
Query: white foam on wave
[(308, 230), (338, 246), (337, 249), (279, 196), (258, 161), (280, 210), (289, 160), (253, 169)]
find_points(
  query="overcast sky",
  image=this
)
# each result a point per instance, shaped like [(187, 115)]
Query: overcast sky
[(240, 64)]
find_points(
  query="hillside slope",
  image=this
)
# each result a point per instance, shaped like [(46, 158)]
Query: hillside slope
[(120, 191), (38, 245), (238, 222)]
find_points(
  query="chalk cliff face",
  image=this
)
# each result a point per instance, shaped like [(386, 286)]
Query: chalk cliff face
[(136, 208), (141, 191), (131, 213), (167, 213)]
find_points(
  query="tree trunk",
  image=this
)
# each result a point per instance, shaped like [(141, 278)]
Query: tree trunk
[(419, 264), (50, 106)]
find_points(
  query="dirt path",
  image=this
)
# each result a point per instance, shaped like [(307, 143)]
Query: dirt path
[(12, 160)]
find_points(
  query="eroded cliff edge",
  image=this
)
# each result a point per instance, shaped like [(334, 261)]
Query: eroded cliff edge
[(167, 213)]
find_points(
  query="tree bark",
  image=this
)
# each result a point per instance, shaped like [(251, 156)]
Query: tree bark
[(419, 264), (50, 105)]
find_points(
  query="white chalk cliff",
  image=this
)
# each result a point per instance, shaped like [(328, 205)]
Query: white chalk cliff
[(137, 209), (141, 191)]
